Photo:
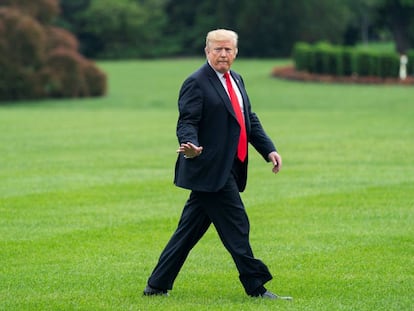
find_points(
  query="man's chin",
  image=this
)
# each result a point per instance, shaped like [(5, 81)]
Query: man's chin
[(222, 68)]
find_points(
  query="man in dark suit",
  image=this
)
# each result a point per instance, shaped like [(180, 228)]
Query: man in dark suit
[(214, 125)]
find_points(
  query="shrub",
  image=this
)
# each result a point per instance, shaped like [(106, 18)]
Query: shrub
[(301, 55), (68, 74), (347, 59), (318, 59), (20, 88), (64, 74), (95, 79), (39, 60), (24, 41), (21, 53), (388, 65), (332, 60), (410, 64), (363, 63), (324, 58), (44, 11), (59, 37), (312, 60)]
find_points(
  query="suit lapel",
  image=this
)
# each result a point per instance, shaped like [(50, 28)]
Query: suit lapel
[(245, 99), (225, 97), (241, 89), (220, 90)]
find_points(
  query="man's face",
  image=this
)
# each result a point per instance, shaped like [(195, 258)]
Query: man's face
[(221, 54)]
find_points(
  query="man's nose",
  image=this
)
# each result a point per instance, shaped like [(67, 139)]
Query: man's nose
[(223, 52)]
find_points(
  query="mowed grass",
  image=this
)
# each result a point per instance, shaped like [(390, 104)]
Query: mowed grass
[(87, 201)]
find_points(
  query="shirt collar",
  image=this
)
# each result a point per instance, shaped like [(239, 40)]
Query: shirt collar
[(219, 74)]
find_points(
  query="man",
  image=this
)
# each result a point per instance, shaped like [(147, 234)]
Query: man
[(214, 125)]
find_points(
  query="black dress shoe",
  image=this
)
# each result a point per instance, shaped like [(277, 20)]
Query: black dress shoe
[(270, 295), (150, 291)]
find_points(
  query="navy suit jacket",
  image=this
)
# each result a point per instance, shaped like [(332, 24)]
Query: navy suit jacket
[(207, 119)]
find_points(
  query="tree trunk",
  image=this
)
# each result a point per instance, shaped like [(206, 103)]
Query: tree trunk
[(399, 30), (399, 19)]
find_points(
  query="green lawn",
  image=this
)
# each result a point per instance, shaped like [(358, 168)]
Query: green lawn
[(87, 201)]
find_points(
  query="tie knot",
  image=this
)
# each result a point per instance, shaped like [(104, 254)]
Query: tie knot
[(227, 75)]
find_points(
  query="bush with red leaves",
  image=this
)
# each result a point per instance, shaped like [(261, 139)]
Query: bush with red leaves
[(38, 60), (43, 11)]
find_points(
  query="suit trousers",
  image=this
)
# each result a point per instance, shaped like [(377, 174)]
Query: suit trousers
[(226, 211)]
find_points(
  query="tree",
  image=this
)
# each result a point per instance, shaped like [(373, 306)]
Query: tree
[(267, 28), (187, 23), (398, 15), (120, 28), (362, 20), (393, 16)]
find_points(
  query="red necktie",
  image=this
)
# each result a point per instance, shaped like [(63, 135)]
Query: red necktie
[(242, 147)]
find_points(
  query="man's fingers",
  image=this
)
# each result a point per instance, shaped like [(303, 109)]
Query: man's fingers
[(189, 149)]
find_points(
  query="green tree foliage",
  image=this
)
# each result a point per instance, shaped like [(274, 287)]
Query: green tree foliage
[(362, 19), (188, 21), (398, 16), (267, 28), (121, 28), (286, 22), (390, 16), (70, 10), (39, 60)]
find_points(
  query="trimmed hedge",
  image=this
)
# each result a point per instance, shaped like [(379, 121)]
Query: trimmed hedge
[(388, 65), (324, 58), (365, 63), (347, 59), (301, 55), (410, 65)]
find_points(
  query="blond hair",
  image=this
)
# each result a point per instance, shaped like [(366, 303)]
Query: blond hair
[(221, 35)]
